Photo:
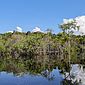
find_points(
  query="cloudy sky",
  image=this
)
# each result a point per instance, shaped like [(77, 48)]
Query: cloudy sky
[(28, 14)]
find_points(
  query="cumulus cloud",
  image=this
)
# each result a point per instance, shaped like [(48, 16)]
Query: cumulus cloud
[(18, 29), (36, 29), (9, 32), (80, 21)]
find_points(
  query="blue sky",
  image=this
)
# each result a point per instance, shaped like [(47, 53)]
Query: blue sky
[(43, 13)]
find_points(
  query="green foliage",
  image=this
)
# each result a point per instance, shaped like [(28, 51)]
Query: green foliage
[(23, 45)]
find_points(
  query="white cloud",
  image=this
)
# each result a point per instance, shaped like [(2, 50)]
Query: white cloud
[(36, 29), (18, 29), (80, 21), (9, 32)]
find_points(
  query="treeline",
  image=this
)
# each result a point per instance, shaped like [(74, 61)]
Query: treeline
[(29, 45)]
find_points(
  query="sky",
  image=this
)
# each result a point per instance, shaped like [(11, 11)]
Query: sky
[(44, 14)]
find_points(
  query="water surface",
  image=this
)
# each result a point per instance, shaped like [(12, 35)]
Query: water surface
[(47, 71)]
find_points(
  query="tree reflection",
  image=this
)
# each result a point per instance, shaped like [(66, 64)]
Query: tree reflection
[(42, 65), (47, 74)]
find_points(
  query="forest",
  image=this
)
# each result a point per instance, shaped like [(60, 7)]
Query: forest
[(32, 44)]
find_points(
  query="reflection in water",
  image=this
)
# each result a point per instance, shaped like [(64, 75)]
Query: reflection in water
[(30, 79), (77, 74), (40, 70)]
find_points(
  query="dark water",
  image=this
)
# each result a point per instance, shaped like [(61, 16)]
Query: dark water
[(40, 71)]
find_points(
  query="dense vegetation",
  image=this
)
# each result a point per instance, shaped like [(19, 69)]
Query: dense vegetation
[(30, 45)]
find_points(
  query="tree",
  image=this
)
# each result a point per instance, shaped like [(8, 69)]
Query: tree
[(69, 26)]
